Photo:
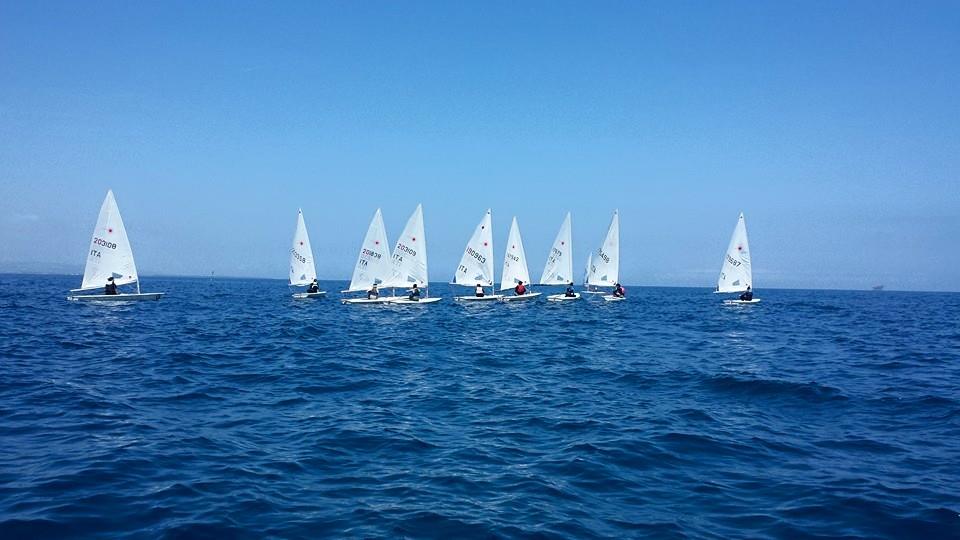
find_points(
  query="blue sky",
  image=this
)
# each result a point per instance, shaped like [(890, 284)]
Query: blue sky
[(832, 125)]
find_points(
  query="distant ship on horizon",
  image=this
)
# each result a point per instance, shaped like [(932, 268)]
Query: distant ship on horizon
[(878, 287)]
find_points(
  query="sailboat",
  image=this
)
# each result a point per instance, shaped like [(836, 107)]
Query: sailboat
[(736, 274), (302, 270), (110, 256), (559, 267), (476, 265), (409, 261), (373, 267), (587, 288), (515, 266), (605, 266)]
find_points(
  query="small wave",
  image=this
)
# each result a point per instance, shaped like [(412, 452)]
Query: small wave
[(778, 389)]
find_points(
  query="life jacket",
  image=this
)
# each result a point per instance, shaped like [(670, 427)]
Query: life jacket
[(521, 289)]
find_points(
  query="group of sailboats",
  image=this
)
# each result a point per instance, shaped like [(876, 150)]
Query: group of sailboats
[(476, 265), (405, 268), (110, 264)]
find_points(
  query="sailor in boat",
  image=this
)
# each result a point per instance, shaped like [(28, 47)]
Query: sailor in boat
[(520, 290), (111, 287), (479, 290), (618, 291), (570, 292), (373, 293), (314, 287), (414, 293), (747, 295)]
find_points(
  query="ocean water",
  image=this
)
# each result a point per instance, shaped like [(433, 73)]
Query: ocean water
[(228, 410)]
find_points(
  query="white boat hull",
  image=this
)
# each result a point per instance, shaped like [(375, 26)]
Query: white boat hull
[(521, 297), (562, 297), (740, 302), (134, 297), (363, 301), (486, 298), (305, 295), (593, 292), (612, 298), (406, 301)]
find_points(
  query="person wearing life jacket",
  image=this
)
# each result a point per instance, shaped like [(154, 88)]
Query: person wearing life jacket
[(111, 287), (747, 295), (618, 291), (520, 290), (373, 293), (414, 293), (570, 292), (479, 291), (314, 287)]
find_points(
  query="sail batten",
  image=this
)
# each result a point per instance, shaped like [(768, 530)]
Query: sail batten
[(736, 272)]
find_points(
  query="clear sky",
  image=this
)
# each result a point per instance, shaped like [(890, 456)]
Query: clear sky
[(835, 127)]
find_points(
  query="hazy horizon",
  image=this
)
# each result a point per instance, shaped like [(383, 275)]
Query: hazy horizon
[(835, 128)]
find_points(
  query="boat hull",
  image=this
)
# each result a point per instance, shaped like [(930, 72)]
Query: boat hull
[(740, 302), (612, 298), (521, 297), (370, 301), (407, 301), (563, 297), (134, 297), (307, 295), (487, 298)]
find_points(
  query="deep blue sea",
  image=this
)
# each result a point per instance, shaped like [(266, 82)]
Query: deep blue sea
[(229, 410)]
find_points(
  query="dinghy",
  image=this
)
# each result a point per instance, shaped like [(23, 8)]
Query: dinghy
[(604, 268), (476, 265), (588, 289), (373, 266), (736, 273), (559, 267), (409, 261), (302, 269), (515, 267), (110, 256)]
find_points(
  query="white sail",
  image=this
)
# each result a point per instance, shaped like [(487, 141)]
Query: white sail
[(410, 254), (476, 265), (302, 269), (559, 267), (736, 273), (605, 264), (514, 260), (110, 254), (373, 264)]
